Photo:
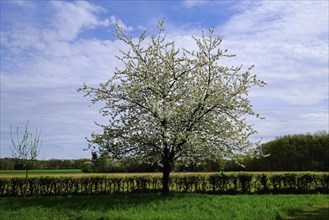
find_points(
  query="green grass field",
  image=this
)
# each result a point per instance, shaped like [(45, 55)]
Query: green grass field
[(41, 171), (21, 173), (77, 172), (155, 206)]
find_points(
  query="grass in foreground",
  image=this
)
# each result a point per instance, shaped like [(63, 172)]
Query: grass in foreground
[(154, 206)]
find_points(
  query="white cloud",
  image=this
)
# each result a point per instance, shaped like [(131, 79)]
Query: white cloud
[(113, 21), (42, 68), (51, 54), (23, 3), (287, 42), (280, 20), (71, 18), (193, 3)]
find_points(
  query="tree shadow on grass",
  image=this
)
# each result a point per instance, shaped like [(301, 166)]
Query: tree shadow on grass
[(85, 202), (314, 214)]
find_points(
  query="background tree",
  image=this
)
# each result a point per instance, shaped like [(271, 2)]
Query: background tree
[(303, 152), (27, 148), (7, 164), (100, 164), (170, 103)]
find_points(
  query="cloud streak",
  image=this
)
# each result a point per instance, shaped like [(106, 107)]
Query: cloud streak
[(194, 3)]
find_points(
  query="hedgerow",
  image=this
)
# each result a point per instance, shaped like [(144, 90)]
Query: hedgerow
[(219, 183)]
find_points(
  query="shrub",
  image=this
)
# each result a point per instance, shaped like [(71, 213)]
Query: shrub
[(220, 183)]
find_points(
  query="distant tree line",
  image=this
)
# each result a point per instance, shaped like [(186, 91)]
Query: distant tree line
[(52, 164), (304, 152), (102, 164)]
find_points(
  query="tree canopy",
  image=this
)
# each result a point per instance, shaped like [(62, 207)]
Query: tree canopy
[(170, 103), (26, 148)]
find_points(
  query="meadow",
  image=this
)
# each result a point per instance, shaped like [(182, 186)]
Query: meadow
[(176, 206), (19, 173)]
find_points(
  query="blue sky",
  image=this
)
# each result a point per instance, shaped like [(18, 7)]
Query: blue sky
[(49, 48)]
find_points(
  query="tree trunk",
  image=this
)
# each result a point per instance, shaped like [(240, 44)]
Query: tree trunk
[(26, 175), (165, 177), (26, 181)]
